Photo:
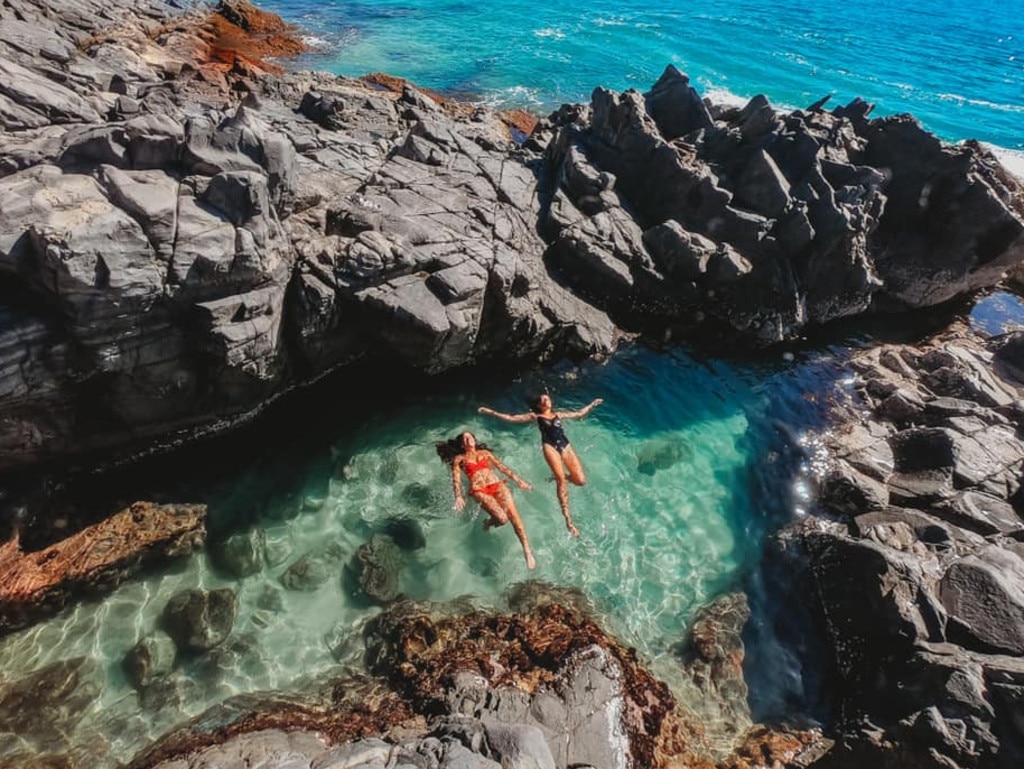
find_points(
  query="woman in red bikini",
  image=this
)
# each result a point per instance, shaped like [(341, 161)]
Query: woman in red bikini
[(478, 462), (560, 455)]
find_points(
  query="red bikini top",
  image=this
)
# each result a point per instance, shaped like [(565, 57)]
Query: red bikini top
[(472, 468)]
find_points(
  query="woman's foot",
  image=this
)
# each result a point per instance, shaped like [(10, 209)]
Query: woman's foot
[(573, 531), (530, 563)]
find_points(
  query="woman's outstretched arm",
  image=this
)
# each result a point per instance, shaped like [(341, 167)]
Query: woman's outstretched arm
[(579, 414), (460, 503), (508, 471), (517, 418)]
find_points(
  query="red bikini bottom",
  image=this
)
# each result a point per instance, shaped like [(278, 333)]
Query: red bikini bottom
[(491, 489)]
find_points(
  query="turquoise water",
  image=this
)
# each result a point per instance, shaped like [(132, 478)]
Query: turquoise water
[(688, 469), (958, 66)]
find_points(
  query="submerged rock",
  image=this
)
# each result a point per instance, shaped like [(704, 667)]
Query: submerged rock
[(198, 620), (662, 454), (714, 659), (42, 710), (150, 659), (95, 560), (376, 569), (241, 554), (307, 573)]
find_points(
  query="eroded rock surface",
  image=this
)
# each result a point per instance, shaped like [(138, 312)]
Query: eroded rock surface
[(188, 232), (918, 581), (95, 560), (675, 209), (544, 688)]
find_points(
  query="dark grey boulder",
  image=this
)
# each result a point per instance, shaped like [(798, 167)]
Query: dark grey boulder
[(150, 659), (199, 620)]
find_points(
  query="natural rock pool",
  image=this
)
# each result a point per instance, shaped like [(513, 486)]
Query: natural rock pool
[(691, 460)]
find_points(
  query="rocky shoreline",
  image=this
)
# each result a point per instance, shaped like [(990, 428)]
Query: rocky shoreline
[(238, 233), (917, 568), (189, 232)]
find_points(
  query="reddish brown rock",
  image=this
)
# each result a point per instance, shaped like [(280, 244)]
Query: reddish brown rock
[(242, 35), (776, 748), (396, 85), (520, 119), (350, 710), (420, 656), (419, 650), (95, 560)]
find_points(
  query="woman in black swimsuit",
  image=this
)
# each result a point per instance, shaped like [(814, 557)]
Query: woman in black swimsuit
[(558, 452), (463, 454)]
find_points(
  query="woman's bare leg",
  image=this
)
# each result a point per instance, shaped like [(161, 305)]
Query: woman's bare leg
[(492, 507), (574, 466), (517, 524), (554, 461)]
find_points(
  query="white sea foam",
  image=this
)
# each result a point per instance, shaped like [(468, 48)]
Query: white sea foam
[(998, 106), (720, 95), (1012, 160), (316, 42), (906, 88), (553, 32), (794, 58), (724, 96), (513, 96)]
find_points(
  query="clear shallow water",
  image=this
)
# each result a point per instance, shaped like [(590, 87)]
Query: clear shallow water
[(690, 463), (959, 68)]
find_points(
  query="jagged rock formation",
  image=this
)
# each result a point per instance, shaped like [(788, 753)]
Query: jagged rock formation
[(186, 235), (918, 584), (675, 209), (94, 560), (542, 688), (170, 258)]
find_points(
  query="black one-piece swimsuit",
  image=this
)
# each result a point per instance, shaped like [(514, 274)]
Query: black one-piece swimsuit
[(552, 434)]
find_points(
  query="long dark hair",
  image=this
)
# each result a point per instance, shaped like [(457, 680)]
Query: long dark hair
[(451, 448), (534, 403)]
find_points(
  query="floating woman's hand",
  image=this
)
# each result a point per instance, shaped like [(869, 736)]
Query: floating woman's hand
[(460, 503), (524, 485)]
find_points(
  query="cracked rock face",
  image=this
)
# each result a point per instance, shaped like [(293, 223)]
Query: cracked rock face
[(771, 222), (918, 568), (543, 688), (183, 257), (182, 239)]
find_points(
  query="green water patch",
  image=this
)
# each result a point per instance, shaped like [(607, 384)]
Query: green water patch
[(690, 462)]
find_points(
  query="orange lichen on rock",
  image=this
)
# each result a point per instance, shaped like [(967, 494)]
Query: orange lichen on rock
[(396, 85), (763, 746), (420, 655), (239, 32), (93, 560), (519, 119)]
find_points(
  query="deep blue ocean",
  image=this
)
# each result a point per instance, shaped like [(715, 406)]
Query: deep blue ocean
[(958, 66)]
